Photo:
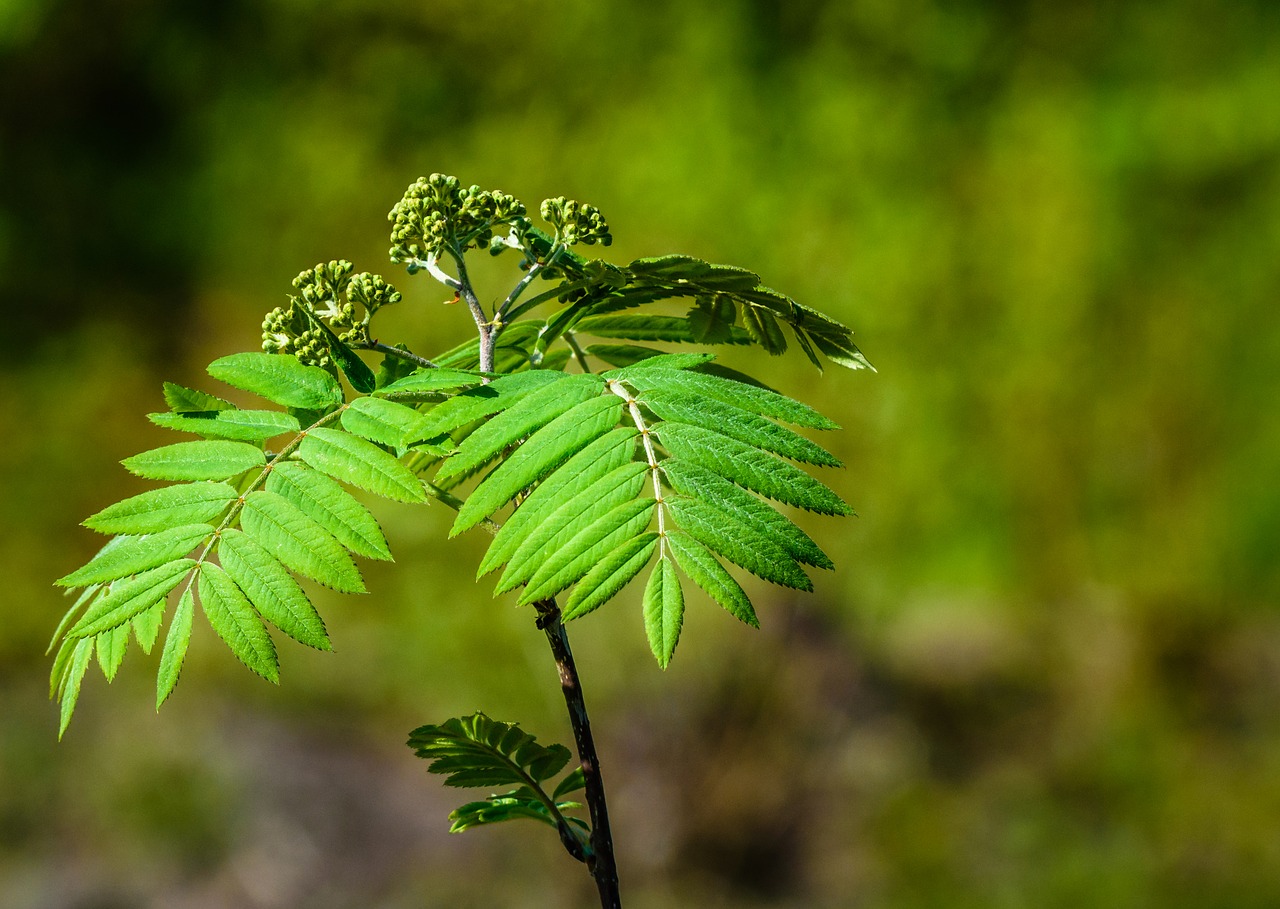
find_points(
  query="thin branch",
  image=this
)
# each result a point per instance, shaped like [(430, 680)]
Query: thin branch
[(600, 860), (578, 353)]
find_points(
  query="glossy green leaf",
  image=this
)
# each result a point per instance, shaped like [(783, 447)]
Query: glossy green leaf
[(427, 384), (541, 453), (181, 399), (299, 542), (675, 405), (573, 560), (477, 751), (240, 425), (574, 513), (134, 554), (764, 329), (663, 610), (529, 413), (146, 626), (332, 507), (271, 589), (110, 647), (720, 532), (749, 467), (234, 620), (609, 575), (356, 370), (761, 517), (161, 509), (175, 647), (77, 665), (754, 398), (204, 460), (128, 598), (607, 453), (476, 403), (353, 460), (280, 378), (696, 561), (382, 421)]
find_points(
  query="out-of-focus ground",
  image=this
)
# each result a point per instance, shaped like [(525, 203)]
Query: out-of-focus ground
[(1047, 670)]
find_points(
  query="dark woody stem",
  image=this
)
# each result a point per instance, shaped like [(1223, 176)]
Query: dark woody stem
[(600, 860)]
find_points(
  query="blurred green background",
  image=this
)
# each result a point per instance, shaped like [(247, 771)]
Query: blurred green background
[(1047, 670)]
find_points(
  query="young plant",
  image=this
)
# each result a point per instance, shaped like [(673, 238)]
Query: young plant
[(590, 456)]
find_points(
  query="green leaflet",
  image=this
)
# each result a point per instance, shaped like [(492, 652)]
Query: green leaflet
[(608, 576), (713, 489), (663, 610), (233, 618), (498, 808), (187, 400), (530, 412), (736, 542), (134, 554), (128, 598), (299, 542), (241, 425), (385, 422), (610, 451), (161, 509), (175, 647), (111, 646), (206, 460), (353, 460), (477, 751), (749, 467), (538, 455), (551, 533), (679, 406), (331, 506), (146, 626), (573, 560), (271, 589), (696, 561), (646, 327), (764, 329), (280, 378), (651, 374), (474, 403), (71, 680), (427, 384)]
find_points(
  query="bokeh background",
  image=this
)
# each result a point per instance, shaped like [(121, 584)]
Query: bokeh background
[(1047, 670)]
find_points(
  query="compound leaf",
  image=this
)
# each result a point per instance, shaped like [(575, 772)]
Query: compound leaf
[(280, 378), (477, 751), (233, 618)]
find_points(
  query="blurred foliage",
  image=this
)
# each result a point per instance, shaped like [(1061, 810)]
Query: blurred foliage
[(1047, 670)]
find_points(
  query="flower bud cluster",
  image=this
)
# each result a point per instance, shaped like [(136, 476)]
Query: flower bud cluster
[(331, 292), (437, 212), (576, 222)]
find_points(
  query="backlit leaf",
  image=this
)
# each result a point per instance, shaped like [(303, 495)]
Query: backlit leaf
[(701, 566), (233, 618), (128, 598), (280, 378), (663, 610), (204, 460), (175, 647), (353, 460), (271, 589), (608, 576), (332, 507), (161, 509), (134, 554), (240, 425), (299, 542)]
